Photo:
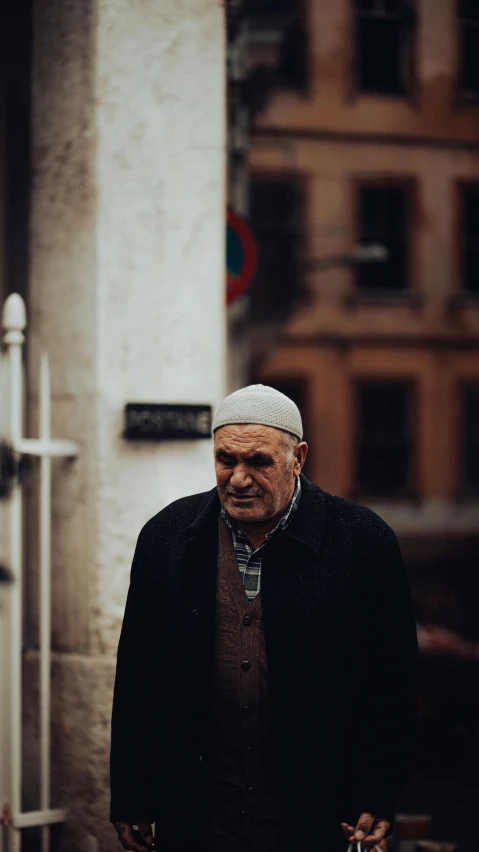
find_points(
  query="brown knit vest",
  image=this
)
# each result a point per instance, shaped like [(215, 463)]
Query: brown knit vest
[(242, 762)]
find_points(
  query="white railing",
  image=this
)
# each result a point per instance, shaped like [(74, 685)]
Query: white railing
[(44, 448)]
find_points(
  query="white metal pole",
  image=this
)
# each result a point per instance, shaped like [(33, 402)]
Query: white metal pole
[(4, 641), (43, 447), (14, 322), (45, 597), (4, 709)]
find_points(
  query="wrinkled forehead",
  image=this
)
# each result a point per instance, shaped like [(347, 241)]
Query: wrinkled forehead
[(247, 438)]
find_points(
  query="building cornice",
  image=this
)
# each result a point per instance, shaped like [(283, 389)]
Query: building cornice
[(378, 341), (355, 137)]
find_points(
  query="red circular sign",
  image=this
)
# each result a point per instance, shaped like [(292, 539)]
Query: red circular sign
[(239, 278)]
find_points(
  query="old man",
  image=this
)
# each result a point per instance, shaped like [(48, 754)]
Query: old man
[(265, 696)]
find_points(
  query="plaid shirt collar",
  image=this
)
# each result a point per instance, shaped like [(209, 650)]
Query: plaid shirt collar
[(283, 522)]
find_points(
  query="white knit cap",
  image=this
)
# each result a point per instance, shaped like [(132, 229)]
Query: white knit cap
[(260, 404)]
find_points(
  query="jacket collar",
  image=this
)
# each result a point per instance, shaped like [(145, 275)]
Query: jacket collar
[(207, 514), (306, 526)]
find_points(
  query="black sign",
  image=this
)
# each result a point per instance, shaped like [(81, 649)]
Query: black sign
[(150, 421)]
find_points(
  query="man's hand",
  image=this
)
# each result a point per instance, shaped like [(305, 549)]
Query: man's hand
[(135, 841), (370, 830)]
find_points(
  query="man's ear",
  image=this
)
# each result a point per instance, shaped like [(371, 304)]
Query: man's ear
[(301, 453)]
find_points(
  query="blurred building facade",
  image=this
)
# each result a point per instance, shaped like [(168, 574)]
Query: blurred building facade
[(366, 130), (112, 160)]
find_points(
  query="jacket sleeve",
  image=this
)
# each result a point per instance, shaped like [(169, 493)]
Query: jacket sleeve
[(384, 738), (132, 734)]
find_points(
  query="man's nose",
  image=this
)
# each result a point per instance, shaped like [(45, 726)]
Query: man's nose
[(241, 477)]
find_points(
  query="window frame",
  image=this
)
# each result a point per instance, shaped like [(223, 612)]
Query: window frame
[(383, 180), (302, 185), (411, 488), (410, 92), (460, 189), (267, 29), (463, 98), (465, 489)]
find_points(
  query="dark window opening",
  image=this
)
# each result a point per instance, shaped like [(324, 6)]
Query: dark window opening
[(278, 26), (470, 434), (275, 211), (292, 61), (16, 24), (384, 32), (468, 72), (470, 237), (383, 438), (383, 219), (271, 7)]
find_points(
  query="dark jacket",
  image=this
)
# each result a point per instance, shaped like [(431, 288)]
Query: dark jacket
[(342, 676)]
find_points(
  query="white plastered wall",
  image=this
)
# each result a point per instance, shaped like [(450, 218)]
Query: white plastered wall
[(127, 295)]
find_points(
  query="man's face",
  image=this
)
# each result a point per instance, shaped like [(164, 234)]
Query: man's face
[(255, 472)]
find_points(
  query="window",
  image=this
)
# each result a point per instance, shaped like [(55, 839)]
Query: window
[(277, 26), (384, 46), (469, 218), (383, 218), (470, 437), (275, 211), (384, 444), (468, 72), (271, 8)]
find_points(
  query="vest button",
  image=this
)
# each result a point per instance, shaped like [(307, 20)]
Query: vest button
[(245, 665), (247, 620)]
